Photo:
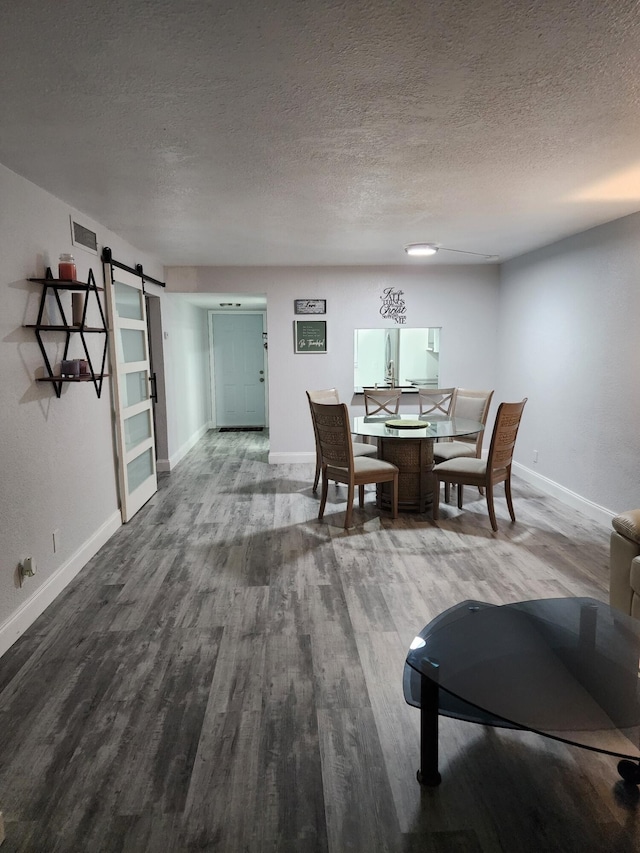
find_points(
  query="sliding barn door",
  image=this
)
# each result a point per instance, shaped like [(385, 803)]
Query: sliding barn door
[(131, 389)]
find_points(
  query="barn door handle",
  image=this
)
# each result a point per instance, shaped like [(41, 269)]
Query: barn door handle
[(154, 388)]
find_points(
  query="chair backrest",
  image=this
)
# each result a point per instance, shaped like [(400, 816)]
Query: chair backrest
[(474, 406), (330, 395), (503, 440), (437, 401), (382, 400), (333, 431)]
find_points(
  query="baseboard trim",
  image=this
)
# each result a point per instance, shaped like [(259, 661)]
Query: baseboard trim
[(292, 458), (47, 592), (555, 490), (178, 456)]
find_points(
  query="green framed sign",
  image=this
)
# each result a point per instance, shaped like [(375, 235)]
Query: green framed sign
[(309, 335)]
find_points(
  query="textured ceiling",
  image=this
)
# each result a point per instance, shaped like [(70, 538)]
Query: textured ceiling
[(321, 132)]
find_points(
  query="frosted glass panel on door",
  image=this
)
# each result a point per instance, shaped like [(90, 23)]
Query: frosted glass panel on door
[(137, 428), (139, 469), (132, 345), (136, 388), (128, 301)]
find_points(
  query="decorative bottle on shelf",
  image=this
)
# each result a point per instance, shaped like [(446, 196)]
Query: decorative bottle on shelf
[(77, 308), (67, 267)]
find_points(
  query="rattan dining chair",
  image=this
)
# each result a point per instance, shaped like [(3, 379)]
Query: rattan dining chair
[(338, 463), (474, 406), (436, 401), (385, 400), (472, 471), (360, 448)]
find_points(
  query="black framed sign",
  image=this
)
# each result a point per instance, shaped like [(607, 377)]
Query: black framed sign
[(309, 335), (310, 306)]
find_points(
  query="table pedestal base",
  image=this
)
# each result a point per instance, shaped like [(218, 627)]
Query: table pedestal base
[(414, 459)]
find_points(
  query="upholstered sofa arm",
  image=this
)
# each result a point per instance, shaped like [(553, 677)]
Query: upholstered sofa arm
[(624, 563), (628, 525)]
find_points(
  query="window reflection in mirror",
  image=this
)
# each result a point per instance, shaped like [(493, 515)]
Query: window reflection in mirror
[(401, 358)]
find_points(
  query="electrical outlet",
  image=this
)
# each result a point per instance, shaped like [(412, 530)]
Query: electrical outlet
[(535, 456), (26, 569), (56, 540)]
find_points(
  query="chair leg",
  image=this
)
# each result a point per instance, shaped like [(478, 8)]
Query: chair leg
[(507, 491), (492, 512), (394, 500), (460, 495), (447, 492), (361, 496), (435, 504), (323, 497), (316, 478), (349, 509)]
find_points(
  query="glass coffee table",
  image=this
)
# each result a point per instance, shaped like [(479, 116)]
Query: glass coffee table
[(566, 668)]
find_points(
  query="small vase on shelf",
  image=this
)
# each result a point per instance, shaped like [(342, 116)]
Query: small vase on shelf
[(77, 308)]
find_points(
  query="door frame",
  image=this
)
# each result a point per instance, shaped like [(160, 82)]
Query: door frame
[(212, 376), (156, 363)]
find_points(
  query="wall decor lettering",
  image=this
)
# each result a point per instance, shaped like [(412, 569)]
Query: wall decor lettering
[(393, 306), (310, 336), (310, 306)]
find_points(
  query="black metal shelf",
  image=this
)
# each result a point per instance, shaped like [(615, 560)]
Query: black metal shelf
[(55, 285), (46, 328), (67, 284), (84, 378)]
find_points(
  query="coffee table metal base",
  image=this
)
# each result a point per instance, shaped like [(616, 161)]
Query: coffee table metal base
[(630, 771), (428, 773)]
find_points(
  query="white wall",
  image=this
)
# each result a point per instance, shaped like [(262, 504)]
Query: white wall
[(463, 300), (186, 374), (56, 455), (570, 342)]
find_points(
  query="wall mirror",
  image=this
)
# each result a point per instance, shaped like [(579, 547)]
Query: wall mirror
[(403, 358)]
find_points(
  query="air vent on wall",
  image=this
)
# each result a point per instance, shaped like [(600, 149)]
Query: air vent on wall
[(81, 236)]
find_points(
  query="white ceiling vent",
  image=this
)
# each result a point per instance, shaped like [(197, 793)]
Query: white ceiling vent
[(81, 236)]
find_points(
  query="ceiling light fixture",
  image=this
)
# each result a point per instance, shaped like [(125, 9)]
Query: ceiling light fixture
[(423, 250)]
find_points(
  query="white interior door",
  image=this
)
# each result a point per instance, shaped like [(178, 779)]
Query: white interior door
[(130, 371), (239, 369)]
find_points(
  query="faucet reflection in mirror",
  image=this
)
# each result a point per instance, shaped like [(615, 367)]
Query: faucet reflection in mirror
[(402, 358), (390, 377)]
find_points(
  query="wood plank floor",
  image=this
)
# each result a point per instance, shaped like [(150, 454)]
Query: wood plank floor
[(226, 675)]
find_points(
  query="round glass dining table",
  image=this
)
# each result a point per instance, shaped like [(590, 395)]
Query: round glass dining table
[(410, 448)]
